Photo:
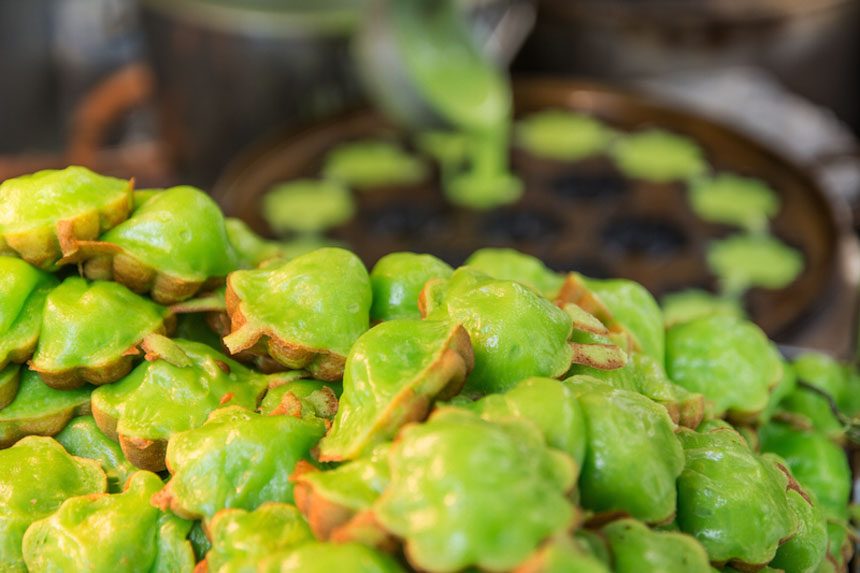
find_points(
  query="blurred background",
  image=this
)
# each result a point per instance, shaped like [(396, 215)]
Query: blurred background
[(241, 97)]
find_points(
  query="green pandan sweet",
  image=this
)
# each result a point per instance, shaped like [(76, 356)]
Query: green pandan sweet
[(632, 456), (646, 376), (170, 247), (23, 289), (636, 548), (818, 464), (515, 332), (10, 377), (733, 500), (305, 313), (91, 332), (327, 558), (455, 505), (108, 532), (241, 539), (733, 200), (336, 502), (633, 307), (659, 156), (366, 164), (549, 404), (728, 360), (746, 261), (806, 551), (563, 555), (175, 390), (394, 373), (307, 206), (821, 380), (237, 459), (250, 248), (36, 476), (512, 265), (294, 396), (691, 304), (562, 135), (397, 280), (82, 438), (40, 410), (43, 215)]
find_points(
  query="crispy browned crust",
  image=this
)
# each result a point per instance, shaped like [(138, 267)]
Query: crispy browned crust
[(143, 453), (44, 425), (320, 362), (688, 413), (574, 291), (442, 379), (202, 567), (105, 373), (45, 247)]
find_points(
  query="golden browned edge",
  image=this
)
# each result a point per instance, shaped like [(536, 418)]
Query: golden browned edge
[(574, 291), (7, 394), (330, 521), (323, 364), (688, 413), (44, 247), (21, 354), (110, 371), (44, 425), (144, 453), (165, 501), (202, 566), (442, 379)]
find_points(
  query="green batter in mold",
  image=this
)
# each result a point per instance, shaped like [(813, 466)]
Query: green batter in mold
[(562, 135), (734, 200), (373, 163), (307, 206), (745, 261), (465, 90), (659, 156)]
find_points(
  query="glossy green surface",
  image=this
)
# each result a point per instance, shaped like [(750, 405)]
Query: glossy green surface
[(691, 304), (804, 552), (636, 548), (166, 395), (250, 248), (307, 206), (327, 558), (746, 261), (10, 377), (818, 464), (512, 265), (193, 246), (91, 324), (515, 332), (365, 164), (455, 505), (550, 405), (397, 280), (237, 459), (23, 289), (39, 409), (36, 476), (733, 200), (52, 195), (393, 374), (731, 499), (111, 532), (636, 310), (562, 135), (319, 301), (728, 360), (82, 438), (241, 539), (632, 456), (354, 485), (658, 156)]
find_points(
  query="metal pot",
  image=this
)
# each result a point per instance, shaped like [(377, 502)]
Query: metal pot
[(812, 45), (229, 72)]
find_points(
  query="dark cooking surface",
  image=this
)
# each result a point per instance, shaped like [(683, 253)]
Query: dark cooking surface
[(580, 216)]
